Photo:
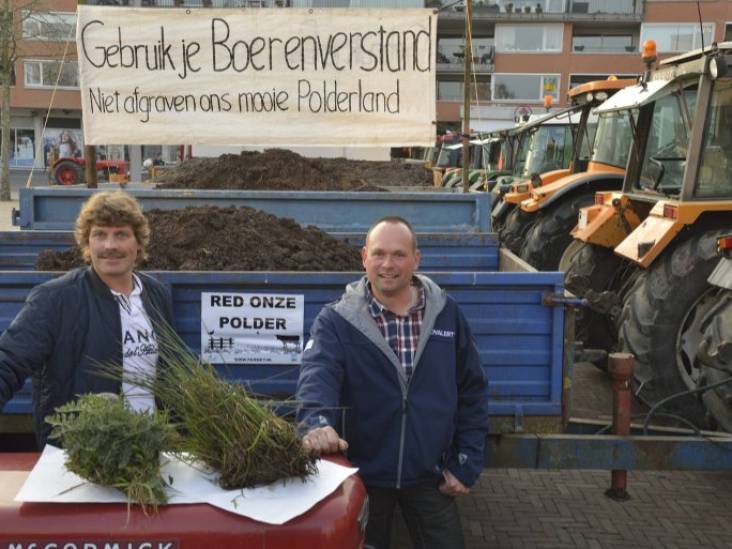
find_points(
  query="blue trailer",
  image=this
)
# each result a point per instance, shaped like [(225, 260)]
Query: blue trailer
[(523, 330), (55, 209), (520, 338)]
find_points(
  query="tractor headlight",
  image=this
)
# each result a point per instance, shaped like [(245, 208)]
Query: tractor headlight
[(717, 67)]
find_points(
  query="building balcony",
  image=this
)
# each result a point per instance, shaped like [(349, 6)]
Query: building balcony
[(459, 68), (499, 11), (451, 60)]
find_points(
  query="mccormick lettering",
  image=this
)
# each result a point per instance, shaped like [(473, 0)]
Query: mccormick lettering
[(90, 545)]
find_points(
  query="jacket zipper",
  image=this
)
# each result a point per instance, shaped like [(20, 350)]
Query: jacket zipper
[(401, 440)]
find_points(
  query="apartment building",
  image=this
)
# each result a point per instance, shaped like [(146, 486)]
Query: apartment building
[(522, 51)]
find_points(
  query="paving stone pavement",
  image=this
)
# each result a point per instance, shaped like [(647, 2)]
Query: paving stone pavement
[(555, 509), (521, 508)]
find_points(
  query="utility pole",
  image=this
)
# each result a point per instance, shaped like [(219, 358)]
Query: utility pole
[(90, 154), (468, 58)]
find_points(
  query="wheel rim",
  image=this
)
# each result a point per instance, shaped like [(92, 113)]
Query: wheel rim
[(67, 175), (569, 252), (690, 336)]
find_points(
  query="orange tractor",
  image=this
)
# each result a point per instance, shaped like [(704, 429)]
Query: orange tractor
[(643, 255), (543, 207)]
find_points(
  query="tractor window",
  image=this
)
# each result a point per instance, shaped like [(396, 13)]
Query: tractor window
[(476, 156), (549, 148), (492, 154), (521, 153), (664, 162), (612, 141), (449, 157), (588, 140), (715, 171), (504, 154)]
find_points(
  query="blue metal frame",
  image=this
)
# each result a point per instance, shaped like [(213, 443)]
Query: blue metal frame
[(608, 452), (52, 208), (520, 339)]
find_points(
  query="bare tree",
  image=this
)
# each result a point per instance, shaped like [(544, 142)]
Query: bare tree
[(22, 19), (7, 66)]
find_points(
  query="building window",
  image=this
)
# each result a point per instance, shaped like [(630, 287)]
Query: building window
[(529, 38), (577, 79), (357, 3), (603, 6), (208, 3), (44, 74), (516, 6), (452, 51), (50, 26), (728, 32), (452, 90), (525, 87), (602, 43), (22, 150), (673, 37)]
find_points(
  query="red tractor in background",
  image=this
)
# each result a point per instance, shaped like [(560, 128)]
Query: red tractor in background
[(70, 171)]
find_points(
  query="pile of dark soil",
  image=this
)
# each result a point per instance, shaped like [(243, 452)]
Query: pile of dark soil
[(278, 169), (208, 238)]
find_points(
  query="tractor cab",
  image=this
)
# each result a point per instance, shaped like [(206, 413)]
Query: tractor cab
[(489, 158)]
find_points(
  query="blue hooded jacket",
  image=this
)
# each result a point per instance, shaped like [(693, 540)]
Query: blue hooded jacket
[(398, 432)]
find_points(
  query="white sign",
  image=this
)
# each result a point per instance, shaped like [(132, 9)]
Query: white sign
[(333, 77), (252, 328)]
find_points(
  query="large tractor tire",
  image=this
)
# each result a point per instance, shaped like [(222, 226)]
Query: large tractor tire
[(512, 233), (593, 272), (67, 173), (549, 235), (715, 361), (661, 322)]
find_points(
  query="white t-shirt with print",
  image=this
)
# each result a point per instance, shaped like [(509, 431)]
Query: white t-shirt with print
[(139, 347)]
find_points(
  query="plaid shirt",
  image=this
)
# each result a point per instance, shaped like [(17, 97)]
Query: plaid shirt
[(400, 332)]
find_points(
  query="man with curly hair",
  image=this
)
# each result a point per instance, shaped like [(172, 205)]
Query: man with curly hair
[(103, 314)]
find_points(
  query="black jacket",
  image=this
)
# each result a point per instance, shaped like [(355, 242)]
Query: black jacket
[(67, 327)]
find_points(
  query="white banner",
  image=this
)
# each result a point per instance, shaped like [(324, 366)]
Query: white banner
[(334, 77), (252, 328)]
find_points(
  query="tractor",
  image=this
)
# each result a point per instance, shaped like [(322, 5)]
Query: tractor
[(644, 254), (544, 207), (490, 158), (544, 146), (70, 170), (714, 355)]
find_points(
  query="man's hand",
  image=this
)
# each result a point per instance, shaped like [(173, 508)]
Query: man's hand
[(323, 440), (451, 486)]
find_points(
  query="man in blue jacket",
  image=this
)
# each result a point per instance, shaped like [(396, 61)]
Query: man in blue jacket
[(102, 314), (392, 376)]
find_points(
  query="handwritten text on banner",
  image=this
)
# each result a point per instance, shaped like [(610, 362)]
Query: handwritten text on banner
[(257, 76)]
